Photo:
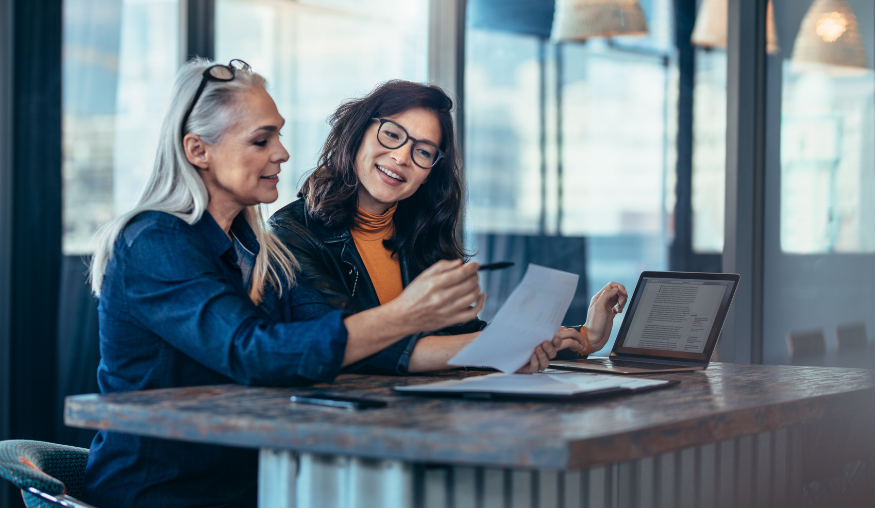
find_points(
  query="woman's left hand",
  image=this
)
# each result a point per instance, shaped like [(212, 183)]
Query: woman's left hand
[(606, 304), (544, 352)]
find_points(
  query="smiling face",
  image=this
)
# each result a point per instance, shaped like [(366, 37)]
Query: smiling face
[(389, 175), (242, 168)]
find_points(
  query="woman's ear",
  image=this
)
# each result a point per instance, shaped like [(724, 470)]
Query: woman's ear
[(195, 150)]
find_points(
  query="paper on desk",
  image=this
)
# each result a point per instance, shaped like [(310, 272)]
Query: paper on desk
[(531, 315), (538, 384)]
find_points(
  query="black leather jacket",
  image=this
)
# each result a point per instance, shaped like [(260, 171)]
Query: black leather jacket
[(330, 260)]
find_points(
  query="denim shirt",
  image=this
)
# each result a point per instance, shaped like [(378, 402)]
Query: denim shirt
[(174, 312)]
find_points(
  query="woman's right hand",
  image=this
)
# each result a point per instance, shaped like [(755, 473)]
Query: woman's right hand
[(445, 294)]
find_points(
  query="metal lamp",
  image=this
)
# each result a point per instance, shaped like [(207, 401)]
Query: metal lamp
[(829, 36), (711, 26), (578, 20)]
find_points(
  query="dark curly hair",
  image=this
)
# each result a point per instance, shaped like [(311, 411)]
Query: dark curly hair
[(426, 222)]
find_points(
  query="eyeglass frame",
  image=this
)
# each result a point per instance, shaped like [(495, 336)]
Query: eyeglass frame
[(440, 153), (207, 76)]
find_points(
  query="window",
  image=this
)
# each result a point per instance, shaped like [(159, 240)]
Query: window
[(827, 160), (709, 151), (569, 149), (316, 54), (820, 174), (119, 60)]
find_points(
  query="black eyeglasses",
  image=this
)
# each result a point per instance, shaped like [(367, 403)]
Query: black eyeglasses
[(214, 73), (391, 135)]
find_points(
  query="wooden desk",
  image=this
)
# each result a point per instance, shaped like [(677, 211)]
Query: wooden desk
[(733, 435)]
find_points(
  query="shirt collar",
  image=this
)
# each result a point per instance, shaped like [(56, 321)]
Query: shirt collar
[(244, 233), (219, 241)]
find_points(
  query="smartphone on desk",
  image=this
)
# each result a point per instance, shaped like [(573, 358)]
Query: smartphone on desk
[(341, 401)]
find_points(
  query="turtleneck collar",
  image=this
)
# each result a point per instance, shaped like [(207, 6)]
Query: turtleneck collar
[(369, 226)]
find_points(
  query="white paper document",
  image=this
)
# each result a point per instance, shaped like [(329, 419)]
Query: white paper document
[(535, 384), (531, 315)]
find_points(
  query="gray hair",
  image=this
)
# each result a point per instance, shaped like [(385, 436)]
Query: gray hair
[(175, 186)]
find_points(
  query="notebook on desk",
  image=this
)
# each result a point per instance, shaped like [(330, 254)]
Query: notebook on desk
[(672, 324), (550, 385)]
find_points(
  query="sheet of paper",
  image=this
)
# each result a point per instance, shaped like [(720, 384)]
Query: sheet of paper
[(535, 384), (531, 315)]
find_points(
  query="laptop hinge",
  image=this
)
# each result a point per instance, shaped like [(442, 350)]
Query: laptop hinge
[(685, 363)]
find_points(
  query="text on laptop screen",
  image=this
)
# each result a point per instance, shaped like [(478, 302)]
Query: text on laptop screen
[(676, 315)]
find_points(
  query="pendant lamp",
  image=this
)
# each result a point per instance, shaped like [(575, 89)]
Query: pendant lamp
[(829, 35), (713, 20), (578, 20)]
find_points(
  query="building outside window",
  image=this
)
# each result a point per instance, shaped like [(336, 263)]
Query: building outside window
[(119, 60), (316, 54), (570, 148)]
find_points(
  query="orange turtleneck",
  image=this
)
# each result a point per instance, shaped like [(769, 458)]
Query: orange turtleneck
[(385, 271)]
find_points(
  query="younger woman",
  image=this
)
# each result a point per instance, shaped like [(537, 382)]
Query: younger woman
[(384, 203)]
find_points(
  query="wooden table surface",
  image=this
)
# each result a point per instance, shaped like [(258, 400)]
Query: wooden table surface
[(724, 402)]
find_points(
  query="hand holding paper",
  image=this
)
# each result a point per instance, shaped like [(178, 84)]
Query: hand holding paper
[(531, 315)]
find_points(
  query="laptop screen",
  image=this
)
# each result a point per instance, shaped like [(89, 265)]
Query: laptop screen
[(676, 315)]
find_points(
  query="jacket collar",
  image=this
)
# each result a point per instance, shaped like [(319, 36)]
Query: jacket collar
[(321, 231), (342, 235), (219, 241)]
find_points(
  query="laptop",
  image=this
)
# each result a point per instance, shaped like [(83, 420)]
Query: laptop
[(672, 324)]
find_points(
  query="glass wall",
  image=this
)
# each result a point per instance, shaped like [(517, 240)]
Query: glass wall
[(570, 148), (820, 180), (317, 53), (709, 151), (119, 59)]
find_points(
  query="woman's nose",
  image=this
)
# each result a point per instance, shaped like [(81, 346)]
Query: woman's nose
[(401, 154), (282, 155)]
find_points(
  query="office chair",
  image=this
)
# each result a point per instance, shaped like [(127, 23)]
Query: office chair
[(49, 475), (806, 343), (852, 336)]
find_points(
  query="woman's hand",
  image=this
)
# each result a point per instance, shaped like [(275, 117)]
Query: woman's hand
[(574, 340), (544, 352), (445, 294), (606, 304)]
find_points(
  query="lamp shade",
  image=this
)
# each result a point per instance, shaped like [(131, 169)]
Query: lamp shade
[(712, 25), (829, 35), (578, 20)]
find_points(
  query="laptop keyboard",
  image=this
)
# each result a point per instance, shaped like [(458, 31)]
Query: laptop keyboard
[(637, 365)]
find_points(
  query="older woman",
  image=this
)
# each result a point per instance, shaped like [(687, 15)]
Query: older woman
[(384, 203), (195, 290)]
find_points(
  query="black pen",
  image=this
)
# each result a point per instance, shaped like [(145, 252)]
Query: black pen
[(496, 266)]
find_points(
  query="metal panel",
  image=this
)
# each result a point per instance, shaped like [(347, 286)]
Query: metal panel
[(277, 478), (758, 471), (379, 484), (200, 23), (437, 487), (36, 217), (446, 65), (6, 41), (743, 250), (446, 53), (493, 488), (466, 482)]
